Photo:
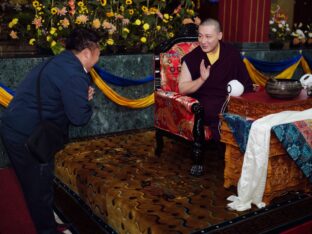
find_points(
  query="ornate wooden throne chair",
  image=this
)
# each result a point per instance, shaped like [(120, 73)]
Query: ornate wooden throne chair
[(176, 114)]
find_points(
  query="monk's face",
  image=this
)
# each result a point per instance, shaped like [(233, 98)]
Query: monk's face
[(208, 37)]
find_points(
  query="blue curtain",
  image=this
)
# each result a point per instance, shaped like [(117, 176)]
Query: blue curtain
[(116, 80), (269, 67), (308, 58)]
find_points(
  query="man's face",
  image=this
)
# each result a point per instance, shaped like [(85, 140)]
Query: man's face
[(208, 38), (93, 58)]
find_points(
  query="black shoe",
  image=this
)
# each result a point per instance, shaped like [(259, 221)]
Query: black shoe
[(197, 170)]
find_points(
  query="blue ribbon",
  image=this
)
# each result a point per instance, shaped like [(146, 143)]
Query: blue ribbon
[(10, 91), (308, 58), (116, 80), (264, 66)]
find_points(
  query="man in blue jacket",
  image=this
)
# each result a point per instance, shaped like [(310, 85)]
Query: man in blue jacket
[(65, 94)]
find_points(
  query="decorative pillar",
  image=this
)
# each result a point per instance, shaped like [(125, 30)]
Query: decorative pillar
[(245, 20)]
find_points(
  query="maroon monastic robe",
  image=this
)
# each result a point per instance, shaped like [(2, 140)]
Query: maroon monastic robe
[(212, 94)]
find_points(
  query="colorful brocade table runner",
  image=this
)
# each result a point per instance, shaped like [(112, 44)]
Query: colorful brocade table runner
[(296, 138)]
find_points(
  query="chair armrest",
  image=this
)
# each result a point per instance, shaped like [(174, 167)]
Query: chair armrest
[(176, 98)]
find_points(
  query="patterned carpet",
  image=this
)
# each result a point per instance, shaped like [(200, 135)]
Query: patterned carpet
[(120, 181)]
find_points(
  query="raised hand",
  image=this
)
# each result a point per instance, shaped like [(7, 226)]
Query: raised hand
[(204, 71)]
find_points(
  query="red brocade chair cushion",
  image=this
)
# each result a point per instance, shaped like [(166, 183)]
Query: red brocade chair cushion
[(172, 110), (174, 114)]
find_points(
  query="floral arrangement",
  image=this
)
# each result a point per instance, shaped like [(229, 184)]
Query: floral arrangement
[(302, 34), (298, 35), (279, 28), (308, 33), (138, 25)]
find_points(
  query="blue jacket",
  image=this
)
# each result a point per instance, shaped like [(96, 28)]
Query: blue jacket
[(64, 97)]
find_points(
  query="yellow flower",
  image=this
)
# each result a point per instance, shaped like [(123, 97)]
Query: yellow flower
[(144, 9), (126, 30), (54, 10), (35, 4), (171, 34), (128, 2), (137, 22), (143, 39), (32, 41), (166, 16), (13, 22), (103, 2), (52, 30), (131, 11), (158, 27), (146, 26), (191, 12), (80, 3), (53, 43), (153, 10), (96, 23), (49, 38), (110, 41)]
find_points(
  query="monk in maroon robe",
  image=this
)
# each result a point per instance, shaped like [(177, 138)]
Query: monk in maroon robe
[(208, 69)]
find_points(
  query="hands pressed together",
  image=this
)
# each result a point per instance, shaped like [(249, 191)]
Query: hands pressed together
[(91, 92)]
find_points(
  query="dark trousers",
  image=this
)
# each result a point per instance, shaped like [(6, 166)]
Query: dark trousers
[(37, 184)]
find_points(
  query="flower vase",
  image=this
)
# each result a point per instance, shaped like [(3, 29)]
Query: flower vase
[(309, 43), (276, 45), (295, 43)]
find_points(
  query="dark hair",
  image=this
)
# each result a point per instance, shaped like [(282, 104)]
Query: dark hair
[(81, 38), (213, 22)]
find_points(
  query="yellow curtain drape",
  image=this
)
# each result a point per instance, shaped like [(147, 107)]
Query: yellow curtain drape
[(305, 66), (113, 96), (288, 72), (5, 97), (256, 76)]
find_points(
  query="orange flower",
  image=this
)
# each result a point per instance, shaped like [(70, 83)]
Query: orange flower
[(37, 22), (187, 21), (13, 34)]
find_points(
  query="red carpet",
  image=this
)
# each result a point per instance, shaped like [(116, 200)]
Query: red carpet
[(15, 218)]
